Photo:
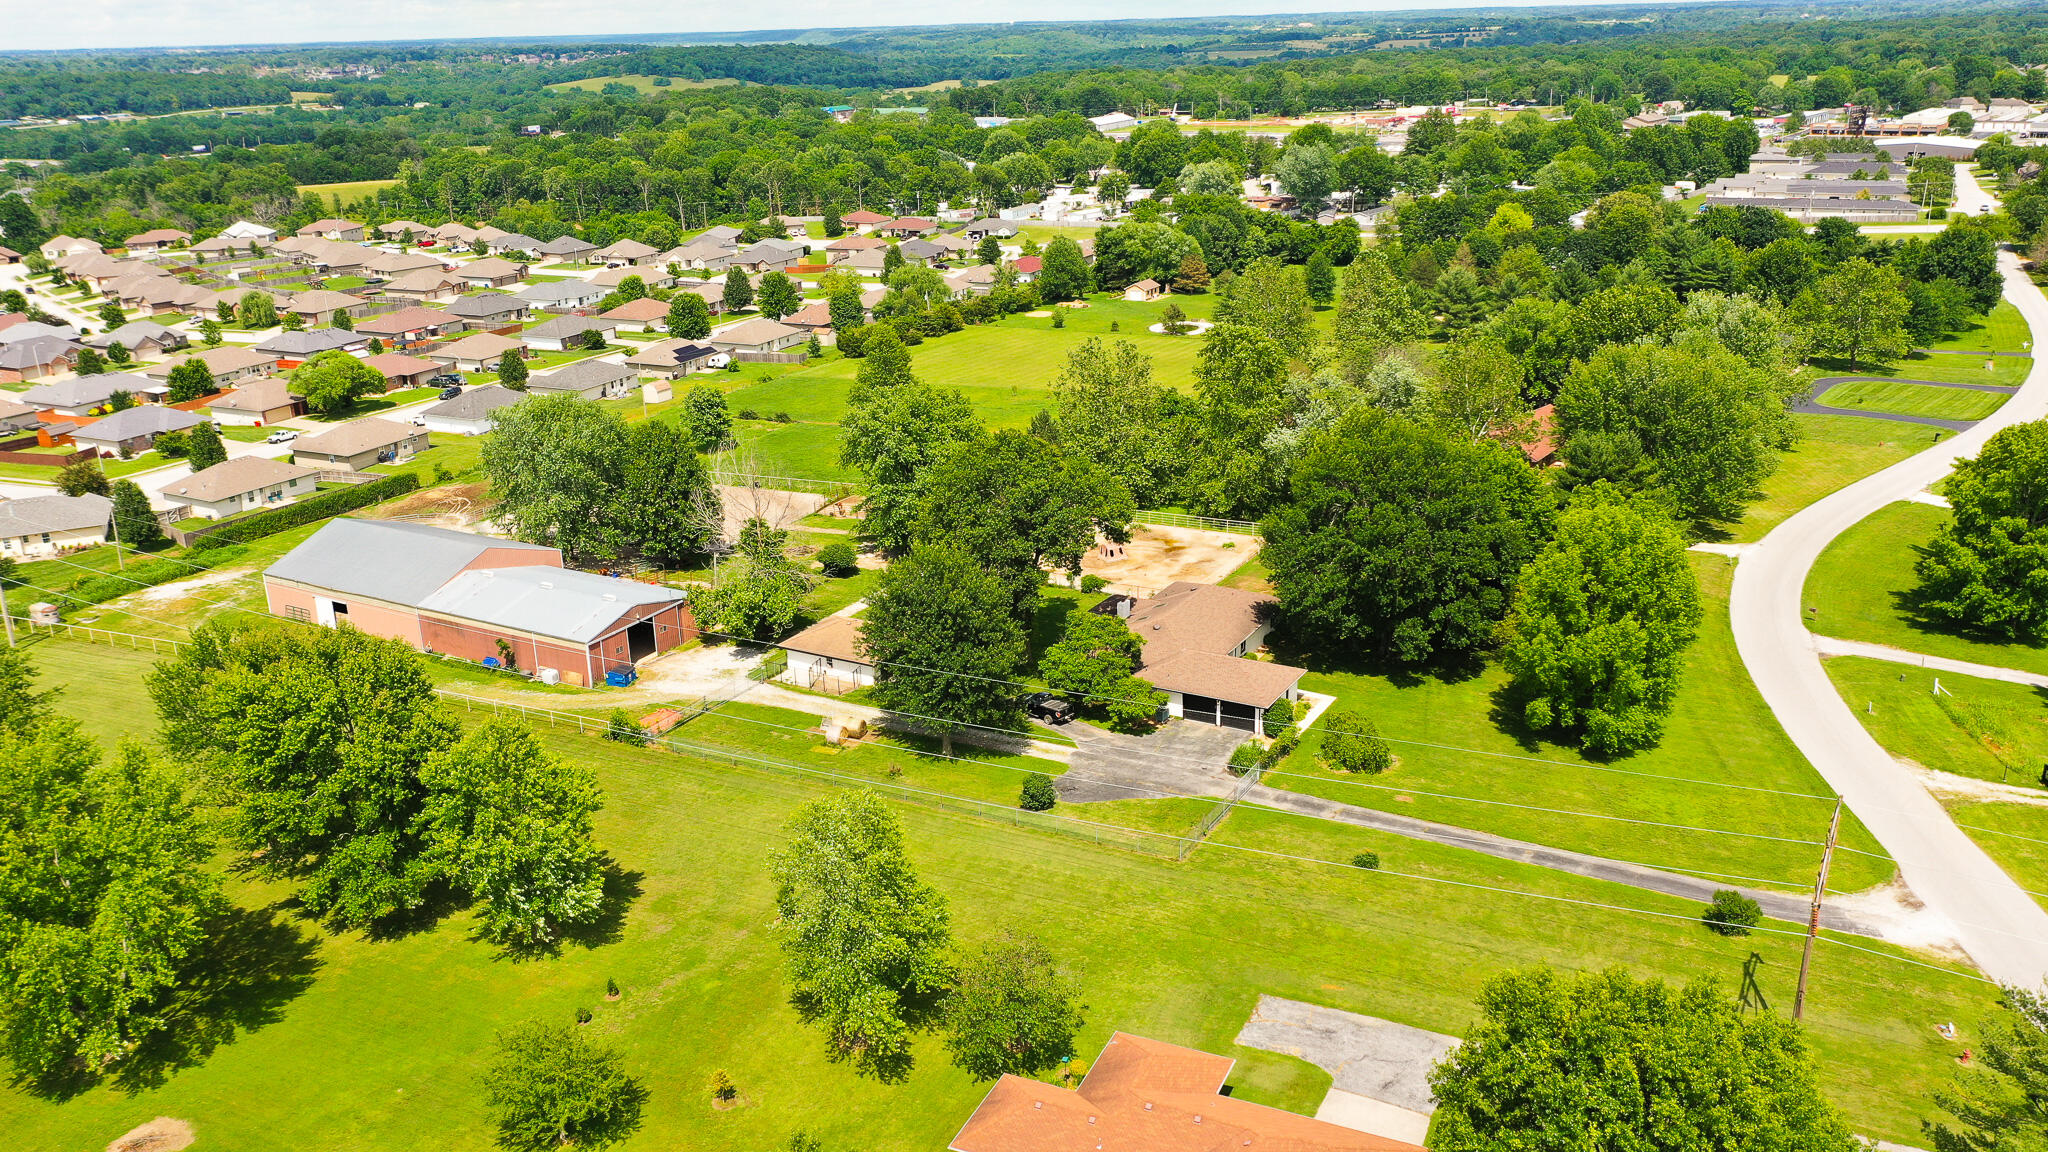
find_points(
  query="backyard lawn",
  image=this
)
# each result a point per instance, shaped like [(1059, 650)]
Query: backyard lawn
[(376, 1045), (1856, 591), (2004, 330), (1905, 399), (1832, 452), (1987, 729), (2009, 371)]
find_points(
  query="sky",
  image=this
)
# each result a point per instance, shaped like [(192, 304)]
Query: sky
[(90, 24)]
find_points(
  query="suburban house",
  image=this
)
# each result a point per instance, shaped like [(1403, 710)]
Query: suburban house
[(333, 229), (923, 251), (590, 379), (82, 395), (476, 598), (246, 230), (259, 402), (399, 229), (863, 259), (35, 526), (17, 326), (628, 252), (643, 315), (471, 414), (456, 233), (713, 296), (670, 358), (828, 657), (242, 484), (156, 240), (978, 230), (35, 358), (566, 249), (228, 365), (813, 317), (491, 272), (562, 295), (842, 250), (402, 371), (864, 220), (1197, 638), (320, 305), (58, 247), (703, 252), (359, 444), (142, 337), (1144, 291), (409, 326), (478, 353), (564, 332), (425, 286), (1150, 1095), (132, 430), (18, 417), (295, 348), (979, 280), (220, 247), (389, 264), (489, 309), (905, 227), (768, 256), (510, 242), (650, 275), (757, 335)]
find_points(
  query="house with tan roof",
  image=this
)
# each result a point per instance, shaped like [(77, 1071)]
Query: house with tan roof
[(643, 315), (60, 246), (1144, 291), (333, 229), (229, 365), (1198, 642), (652, 275), (828, 657), (398, 263), (131, 430), (757, 335), (671, 358), (396, 229), (320, 305), (155, 240), (402, 371), (478, 353), (456, 232), (864, 220), (269, 400), (491, 272), (628, 252), (426, 286), (409, 326), (243, 484), (359, 444)]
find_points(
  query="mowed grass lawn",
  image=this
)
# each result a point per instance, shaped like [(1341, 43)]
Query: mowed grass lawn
[(1987, 729), (2009, 371), (1904, 399), (381, 1049), (2004, 330), (1857, 591), (1832, 452), (1006, 371), (641, 83), (2013, 835), (349, 190)]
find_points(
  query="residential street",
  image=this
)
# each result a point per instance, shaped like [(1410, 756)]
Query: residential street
[(2000, 925)]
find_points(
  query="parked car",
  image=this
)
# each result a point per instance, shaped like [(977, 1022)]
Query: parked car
[(1048, 707), (281, 436), (446, 380), (451, 392)]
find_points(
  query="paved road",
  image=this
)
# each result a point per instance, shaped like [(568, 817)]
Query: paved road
[(1971, 198), (2001, 927), (1833, 646), (1814, 407)]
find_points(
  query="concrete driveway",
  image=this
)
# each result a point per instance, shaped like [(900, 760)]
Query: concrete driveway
[(1181, 759)]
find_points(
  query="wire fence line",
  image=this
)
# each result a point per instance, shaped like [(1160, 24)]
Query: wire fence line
[(836, 488)]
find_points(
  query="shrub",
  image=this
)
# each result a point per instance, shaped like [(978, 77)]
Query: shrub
[(1244, 758), (722, 1088), (1732, 913), (1366, 860), (622, 729), (1279, 718), (749, 414), (1352, 744), (1092, 584), (1282, 745), (783, 418), (1037, 794), (308, 511), (838, 559)]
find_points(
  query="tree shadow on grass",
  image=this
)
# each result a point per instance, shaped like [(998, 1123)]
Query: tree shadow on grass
[(621, 888), (1293, 646), (1914, 611)]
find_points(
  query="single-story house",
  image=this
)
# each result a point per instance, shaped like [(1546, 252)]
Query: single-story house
[(248, 230), (979, 280), (409, 326), (471, 414), (842, 250), (924, 251), (724, 234), (713, 296), (9, 255), (295, 348), (758, 335), (478, 353), (978, 230), (132, 429), (562, 295), (1144, 291), (862, 259), (813, 317), (564, 332), (397, 229), (425, 285), (904, 227), (389, 264), (491, 272), (590, 379), (1196, 639), (465, 595), (510, 242), (489, 309), (456, 233), (141, 337), (359, 444), (259, 402), (228, 365), (489, 233), (333, 229), (643, 315), (628, 252), (35, 358), (402, 371), (83, 395), (221, 247), (242, 484), (156, 240), (652, 275), (320, 305), (36, 526), (769, 256), (567, 249), (19, 417), (670, 358), (702, 252), (332, 256), (864, 220), (17, 326), (59, 246), (828, 657)]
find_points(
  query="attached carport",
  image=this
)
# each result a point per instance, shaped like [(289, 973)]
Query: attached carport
[(1227, 691)]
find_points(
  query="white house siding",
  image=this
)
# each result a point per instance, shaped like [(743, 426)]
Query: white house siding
[(825, 674), (52, 543)]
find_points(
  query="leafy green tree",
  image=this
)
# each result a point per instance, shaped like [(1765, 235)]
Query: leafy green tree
[(943, 635), (203, 446), (1063, 272), (1606, 1061), (1601, 621), (739, 291), (134, 524), (705, 415), (838, 559), (511, 825), (845, 308), (759, 593), (23, 710), (90, 362), (106, 902), (863, 940), (1857, 310), (209, 332), (119, 356), (1210, 178), (343, 321), (189, 380), (897, 426), (1273, 299), (1461, 299), (689, 317), (1011, 1011), (1037, 793), (1241, 385), (1192, 279), (512, 370), (1309, 174), (1320, 278), (1401, 541), (1376, 312), (1111, 412), (82, 479), (1998, 1103), (333, 381), (292, 322), (1113, 189), (1730, 913), (1476, 391), (110, 314), (592, 339), (1096, 660), (547, 1086), (664, 495), (1351, 742), (337, 805), (778, 296), (1986, 570), (989, 251)]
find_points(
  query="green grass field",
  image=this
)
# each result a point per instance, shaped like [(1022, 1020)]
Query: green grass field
[(1913, 399), (644, 85), (2009, 371), (2013, 835), (381, 1047), (349, 190), (1720, 731), (2004, 330), (1833, 451), (1856, 587), (1987, 729)]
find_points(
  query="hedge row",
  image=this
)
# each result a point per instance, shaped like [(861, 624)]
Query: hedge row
[(137, 575), (308, 511)]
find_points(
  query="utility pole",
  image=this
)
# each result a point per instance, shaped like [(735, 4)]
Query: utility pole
[(1820, 887)]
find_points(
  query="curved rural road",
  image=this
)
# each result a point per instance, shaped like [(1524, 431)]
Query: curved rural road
[(2001, 927)]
